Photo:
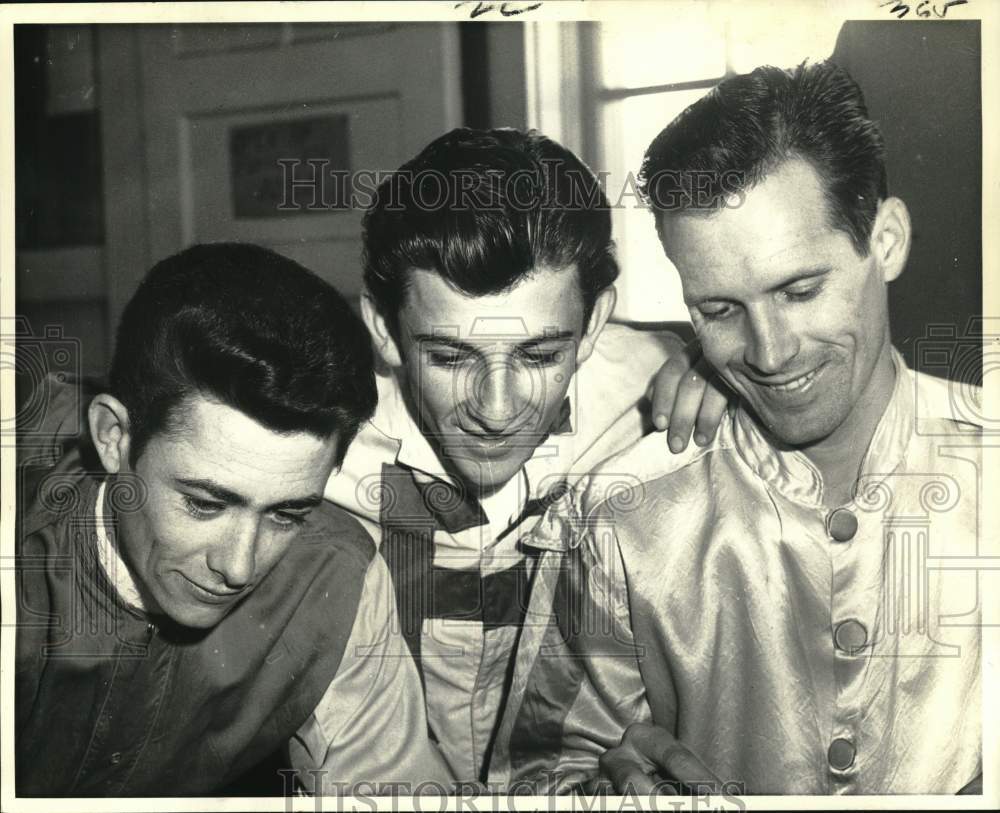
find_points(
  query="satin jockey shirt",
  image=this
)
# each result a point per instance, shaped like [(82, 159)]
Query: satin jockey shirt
[(793, 648), (460, 570), (114, 701)]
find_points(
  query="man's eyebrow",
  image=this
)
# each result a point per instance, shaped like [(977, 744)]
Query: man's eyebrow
[(555, 336), (210, 487), (434, 338), (465, 347), (305, 502), (695, 301), (798, 276), (232, 498)]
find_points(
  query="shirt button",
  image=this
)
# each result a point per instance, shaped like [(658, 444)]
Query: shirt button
[(841, 524), (841, 754), (850, 636), (116, 757)]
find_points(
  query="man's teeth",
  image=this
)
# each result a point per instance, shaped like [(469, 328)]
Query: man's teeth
[(799, 383)]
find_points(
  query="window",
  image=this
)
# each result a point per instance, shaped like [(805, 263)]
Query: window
[(613, 85), (647, 72)]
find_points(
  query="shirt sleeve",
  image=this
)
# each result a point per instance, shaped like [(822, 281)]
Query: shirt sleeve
[(611, 407), (576, 684), (368, 734)]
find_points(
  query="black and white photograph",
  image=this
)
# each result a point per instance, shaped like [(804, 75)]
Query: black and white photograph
[(552, 405)]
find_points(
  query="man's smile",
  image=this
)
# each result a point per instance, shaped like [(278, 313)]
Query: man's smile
[(210, 596), (784, 389)]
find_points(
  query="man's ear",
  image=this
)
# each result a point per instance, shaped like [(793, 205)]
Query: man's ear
[(109, 429), (891, 235), (599, 316), (385, 344)]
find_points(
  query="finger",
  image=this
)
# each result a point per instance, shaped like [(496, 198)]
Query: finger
[(631, 780), (690, 393), (679, 762), (713, 407), (673, 759), (627, 770), (665, 385)]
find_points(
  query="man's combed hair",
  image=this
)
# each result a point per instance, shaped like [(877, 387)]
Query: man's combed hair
[(483, 208), (729, 140), (242, 325)]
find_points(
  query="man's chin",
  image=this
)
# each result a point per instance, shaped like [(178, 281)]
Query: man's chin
[(197, 617), (490, 476), (793, 432)]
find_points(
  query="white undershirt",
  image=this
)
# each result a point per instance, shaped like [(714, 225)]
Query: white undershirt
[(115, 569), (505, 505)]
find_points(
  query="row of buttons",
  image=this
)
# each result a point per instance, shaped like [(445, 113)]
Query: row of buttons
[(849, 636)]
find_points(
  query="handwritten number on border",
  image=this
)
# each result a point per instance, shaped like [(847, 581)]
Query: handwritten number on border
[(923, 9), (480, 7)]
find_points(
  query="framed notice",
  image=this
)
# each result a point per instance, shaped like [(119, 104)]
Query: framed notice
[(276, 166)]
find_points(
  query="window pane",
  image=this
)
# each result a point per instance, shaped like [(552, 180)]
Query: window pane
[(649, 288), (639, 120), (666, 49), (757, 42)]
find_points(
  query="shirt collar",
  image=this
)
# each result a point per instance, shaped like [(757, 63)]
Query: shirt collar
[(114, 567), (393, 419), (795, 476)]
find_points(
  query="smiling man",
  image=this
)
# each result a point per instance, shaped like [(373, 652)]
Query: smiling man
[(187, 602), (489, 272), (761, 613)]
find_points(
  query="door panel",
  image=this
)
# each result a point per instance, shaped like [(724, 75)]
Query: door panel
[(204, 90)]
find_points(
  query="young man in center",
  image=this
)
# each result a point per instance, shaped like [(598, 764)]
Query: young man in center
[(489, 274)]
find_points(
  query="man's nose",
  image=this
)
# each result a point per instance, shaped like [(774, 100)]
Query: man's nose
[(493, 402), (234, 557), (771, 343)]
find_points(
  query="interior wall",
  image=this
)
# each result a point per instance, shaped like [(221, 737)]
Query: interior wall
[(120, 163), (59, 227), (922, 85)]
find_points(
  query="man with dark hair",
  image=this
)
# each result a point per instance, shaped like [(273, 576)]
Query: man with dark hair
[(760, 615), (251, 329), (189, 603), (488, 270)]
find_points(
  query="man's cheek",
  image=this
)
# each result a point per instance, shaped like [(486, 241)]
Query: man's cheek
[(721, 357), (434, 393), (547, 397), (724, 345), (557, 382), (187, 537), (273, 553)]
